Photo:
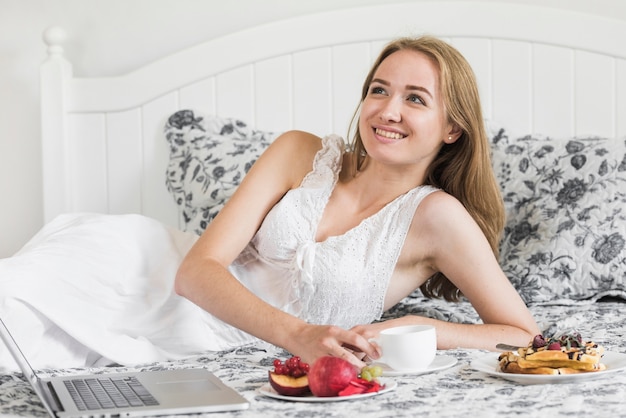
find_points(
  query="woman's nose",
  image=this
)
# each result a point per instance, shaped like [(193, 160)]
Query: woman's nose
[(391, 112)]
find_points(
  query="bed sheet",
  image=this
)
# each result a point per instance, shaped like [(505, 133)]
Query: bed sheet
[(455, 391)]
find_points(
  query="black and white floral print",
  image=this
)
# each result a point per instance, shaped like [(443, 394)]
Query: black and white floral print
[(447, 393), (565, 235), (209, 156), (566, 216)]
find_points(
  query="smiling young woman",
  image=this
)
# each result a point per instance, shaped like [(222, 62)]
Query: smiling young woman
[(462, 167), (318, 241)]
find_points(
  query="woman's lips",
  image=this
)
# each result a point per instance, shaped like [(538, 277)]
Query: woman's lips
[(394, 136)]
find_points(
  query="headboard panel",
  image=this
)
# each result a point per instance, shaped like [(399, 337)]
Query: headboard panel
[(540, 70)]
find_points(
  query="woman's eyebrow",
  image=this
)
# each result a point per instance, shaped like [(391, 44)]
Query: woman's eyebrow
[(419, 88), (408, 87)]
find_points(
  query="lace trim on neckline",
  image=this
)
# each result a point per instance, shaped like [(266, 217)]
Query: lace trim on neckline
[(327, 163)]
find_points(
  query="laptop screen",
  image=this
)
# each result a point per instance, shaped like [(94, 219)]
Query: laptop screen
[(23, 363)]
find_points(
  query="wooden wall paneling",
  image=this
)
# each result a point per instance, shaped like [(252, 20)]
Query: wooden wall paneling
[(235, 94), (375, 48), (351, 63), (553, 95), (156, 200), (273, 95), (620, 105), (87, 162), (198, 96), (312, 104), (595, 84), (477, 52), (512, 77), (124, 150)]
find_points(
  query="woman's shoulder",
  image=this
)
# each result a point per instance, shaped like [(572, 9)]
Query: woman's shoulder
[(439, 208), (307, 142), (300, 152), (445, 219), (302, 147), (295, 140), (293, 149)]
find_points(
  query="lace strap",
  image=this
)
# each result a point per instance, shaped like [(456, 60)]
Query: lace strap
[(327, 163)]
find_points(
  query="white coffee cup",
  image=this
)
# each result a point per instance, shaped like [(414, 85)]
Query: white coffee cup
[(408, 347)]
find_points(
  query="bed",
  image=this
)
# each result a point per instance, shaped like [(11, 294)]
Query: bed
[(553, 85)]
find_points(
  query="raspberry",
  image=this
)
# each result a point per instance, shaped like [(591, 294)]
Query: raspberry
[(539, 341)]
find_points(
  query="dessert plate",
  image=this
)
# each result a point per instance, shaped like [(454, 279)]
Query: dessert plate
[(439, 363), (268, 390), (614, 362)]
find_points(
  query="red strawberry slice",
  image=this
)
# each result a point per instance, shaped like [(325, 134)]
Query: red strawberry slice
[(358, 386)]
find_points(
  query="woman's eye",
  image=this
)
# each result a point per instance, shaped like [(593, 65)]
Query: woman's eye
[(415, 99), (377, 90)]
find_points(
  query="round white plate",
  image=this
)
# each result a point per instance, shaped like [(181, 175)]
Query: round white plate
[(268, 390), (489, 364), (439, 363)]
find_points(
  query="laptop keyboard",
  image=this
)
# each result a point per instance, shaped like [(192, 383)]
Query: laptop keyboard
[(105, 392)]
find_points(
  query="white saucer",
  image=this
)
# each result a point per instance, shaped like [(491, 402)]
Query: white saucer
[(439, 363)]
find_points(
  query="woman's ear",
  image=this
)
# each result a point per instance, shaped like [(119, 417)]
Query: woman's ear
[(453, 134)]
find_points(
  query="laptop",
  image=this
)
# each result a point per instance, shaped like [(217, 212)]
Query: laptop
[(133, 394)]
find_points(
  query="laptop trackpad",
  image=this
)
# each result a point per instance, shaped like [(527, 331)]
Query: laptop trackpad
[(191, 385)]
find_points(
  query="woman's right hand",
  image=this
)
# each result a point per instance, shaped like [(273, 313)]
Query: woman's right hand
[(315, 341)]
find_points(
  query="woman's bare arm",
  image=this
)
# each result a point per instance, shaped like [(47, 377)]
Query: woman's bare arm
[(203, 276), (458, 249)]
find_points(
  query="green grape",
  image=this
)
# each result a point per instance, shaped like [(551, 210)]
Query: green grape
[(370, 373), (376, 371)]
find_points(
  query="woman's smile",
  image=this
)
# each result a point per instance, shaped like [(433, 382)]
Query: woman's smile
[(387, 135)]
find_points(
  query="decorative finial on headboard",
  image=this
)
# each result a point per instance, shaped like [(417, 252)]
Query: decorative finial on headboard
[(54, 37)]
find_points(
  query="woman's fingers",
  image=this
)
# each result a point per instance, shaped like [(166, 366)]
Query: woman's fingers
[(352, 357), (321, 340), (356, 343)]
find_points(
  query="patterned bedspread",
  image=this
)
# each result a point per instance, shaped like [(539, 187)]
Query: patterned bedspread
[(456, 391)]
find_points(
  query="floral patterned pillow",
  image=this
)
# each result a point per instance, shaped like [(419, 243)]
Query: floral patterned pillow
[(565, 200), (209, 156)]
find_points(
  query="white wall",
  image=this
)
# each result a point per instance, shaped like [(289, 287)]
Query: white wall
[(111, 37)]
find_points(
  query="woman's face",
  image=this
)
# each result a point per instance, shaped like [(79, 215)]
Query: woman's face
[(402, 119)]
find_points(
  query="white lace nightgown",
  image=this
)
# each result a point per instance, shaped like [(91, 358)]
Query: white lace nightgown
[(342, 280), (106, 291)]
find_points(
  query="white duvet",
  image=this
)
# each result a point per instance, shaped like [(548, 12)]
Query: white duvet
[(92, 289)]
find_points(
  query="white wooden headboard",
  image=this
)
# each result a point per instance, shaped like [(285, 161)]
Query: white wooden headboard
[(540, 70)]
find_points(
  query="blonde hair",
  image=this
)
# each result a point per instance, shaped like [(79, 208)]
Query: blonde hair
[(462, 169)]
